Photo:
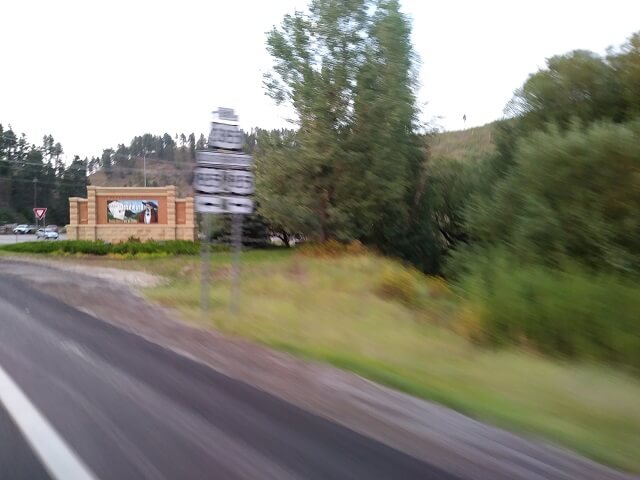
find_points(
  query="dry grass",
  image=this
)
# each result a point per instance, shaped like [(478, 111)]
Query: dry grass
[(465, 145)]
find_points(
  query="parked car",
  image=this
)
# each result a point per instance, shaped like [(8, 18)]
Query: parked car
[(23, 229), (7, 228), (46, 234), (53, 227)]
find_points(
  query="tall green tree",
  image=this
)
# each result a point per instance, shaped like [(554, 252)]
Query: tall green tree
[(59, 164), (625, 63), (353, 168), (169, 147), (192, 146), (282, 196), (106, 161), (201, 144), (7, 143)]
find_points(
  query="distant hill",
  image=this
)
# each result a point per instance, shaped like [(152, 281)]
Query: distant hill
[(467, 145), (159, 173)]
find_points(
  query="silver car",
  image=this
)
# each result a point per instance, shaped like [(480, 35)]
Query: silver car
[(46, 234)]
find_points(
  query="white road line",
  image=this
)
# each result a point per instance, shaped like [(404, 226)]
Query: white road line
[(57, 457)]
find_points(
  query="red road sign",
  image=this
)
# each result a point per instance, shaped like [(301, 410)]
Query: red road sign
[(39, 212)]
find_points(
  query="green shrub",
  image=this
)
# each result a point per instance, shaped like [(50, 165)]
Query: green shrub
[(570, 196), (126, 249), (571, 313), (399, 284)]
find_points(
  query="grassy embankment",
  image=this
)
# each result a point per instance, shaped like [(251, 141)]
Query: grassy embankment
[(372, 316)]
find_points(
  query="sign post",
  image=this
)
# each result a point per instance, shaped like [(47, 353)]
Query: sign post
[(223, 184), (40, 214), (236, 234), (205, 272)]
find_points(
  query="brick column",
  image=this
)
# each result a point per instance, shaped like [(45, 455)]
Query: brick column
[(171, 212), (74, 218), (190, 218), (72, 228), (91, 211)]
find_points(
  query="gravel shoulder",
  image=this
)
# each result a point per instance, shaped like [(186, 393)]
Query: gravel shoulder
[(438, 435)]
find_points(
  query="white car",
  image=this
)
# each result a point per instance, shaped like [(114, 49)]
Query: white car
[(22, 229), (46, 234)]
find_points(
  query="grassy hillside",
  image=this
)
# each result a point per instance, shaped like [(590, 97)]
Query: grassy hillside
[(468, 145), (159, 173)]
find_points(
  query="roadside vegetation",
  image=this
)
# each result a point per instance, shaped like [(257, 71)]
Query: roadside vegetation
[(130, 248), (533, 219), (390, 323)]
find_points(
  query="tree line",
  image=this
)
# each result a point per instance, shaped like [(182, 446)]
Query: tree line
[(121, 160), (35, 175), (353, 168)]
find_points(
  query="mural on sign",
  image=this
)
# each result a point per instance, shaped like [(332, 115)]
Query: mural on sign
[(132, 211)]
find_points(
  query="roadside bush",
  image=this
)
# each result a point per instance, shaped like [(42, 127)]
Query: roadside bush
[(331, 249), (70, 247), (438, 288), (129, 248), (571, 196), (399, 284), (571, 313), (468, 323)]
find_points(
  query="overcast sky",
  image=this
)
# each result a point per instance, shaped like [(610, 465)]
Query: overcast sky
[(94, 74)]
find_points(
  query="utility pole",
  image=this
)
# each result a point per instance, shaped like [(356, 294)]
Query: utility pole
[(144, 165), (35, 196)]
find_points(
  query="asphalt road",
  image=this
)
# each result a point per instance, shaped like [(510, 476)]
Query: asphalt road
[(17, 460), (126, 408)]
